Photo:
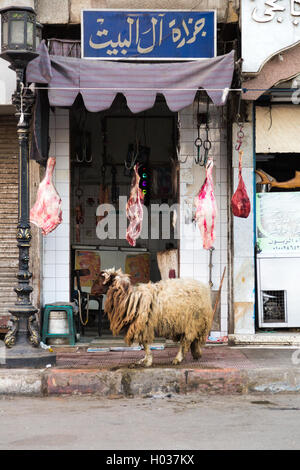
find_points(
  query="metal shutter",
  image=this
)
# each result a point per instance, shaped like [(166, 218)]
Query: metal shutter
[(8, 212)]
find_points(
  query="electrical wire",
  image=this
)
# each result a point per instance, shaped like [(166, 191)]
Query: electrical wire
[(138, 89)]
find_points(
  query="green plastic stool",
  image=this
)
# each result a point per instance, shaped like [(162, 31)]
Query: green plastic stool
[(56, 307)]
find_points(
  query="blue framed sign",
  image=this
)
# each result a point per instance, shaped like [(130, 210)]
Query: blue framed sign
[(148, 34)]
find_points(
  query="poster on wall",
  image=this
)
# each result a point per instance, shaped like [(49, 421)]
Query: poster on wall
[(278, 223), (138, 267), (88, 260)]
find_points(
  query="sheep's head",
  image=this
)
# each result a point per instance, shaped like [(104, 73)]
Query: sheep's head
[(107, 277)]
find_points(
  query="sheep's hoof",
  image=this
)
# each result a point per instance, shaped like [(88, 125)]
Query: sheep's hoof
[(145, 362), (176, 361)]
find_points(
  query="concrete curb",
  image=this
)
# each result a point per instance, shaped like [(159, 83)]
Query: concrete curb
[(147, 382), (263, 339), (21, 382)]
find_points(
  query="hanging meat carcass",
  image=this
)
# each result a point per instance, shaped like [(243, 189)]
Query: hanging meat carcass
[(46, 212), (134, 209), (206, 209), (240, 202)]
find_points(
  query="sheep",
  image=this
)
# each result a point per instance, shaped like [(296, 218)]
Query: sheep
[(177, 309)]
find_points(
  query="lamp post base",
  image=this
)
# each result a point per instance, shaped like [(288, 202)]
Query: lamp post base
[(22, 343), (23, 355)]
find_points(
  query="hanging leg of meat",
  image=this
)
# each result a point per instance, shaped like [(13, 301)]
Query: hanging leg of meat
[(46, 212), (206, 209), (103, 199), (134, 209)]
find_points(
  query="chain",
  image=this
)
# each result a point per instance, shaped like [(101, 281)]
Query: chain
[(206, 144)]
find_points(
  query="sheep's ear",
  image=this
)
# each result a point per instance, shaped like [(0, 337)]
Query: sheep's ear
[(106, 277)]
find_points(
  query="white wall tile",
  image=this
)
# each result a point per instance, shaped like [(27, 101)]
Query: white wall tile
[(49, 284), (49, 271), (49, 257), (49, 297), (186, 270), (62, 136), (61, 257), (62, 284), (198, 262), (62, 188), (56, 247), (62, 244), (62, 148), (62, 122), (62, 296), (49, 242), (62, 176), (52, 149), (62, 271), (61, 112)]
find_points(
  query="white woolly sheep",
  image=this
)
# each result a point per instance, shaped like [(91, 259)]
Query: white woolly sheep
[(177, 309)]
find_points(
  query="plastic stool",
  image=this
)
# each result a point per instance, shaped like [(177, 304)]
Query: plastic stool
[(56, 307)]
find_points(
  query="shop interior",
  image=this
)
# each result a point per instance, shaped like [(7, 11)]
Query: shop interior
[(104, 148)]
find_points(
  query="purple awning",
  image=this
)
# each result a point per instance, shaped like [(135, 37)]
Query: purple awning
[(100, 81)]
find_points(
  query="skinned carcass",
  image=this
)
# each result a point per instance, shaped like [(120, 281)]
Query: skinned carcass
[(177, 309), (206, 209), (134, 209), (46, 212)]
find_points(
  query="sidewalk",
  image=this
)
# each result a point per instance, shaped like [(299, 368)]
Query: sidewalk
[(221, 370)]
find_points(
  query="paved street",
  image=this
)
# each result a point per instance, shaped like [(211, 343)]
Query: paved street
[(175, 422)]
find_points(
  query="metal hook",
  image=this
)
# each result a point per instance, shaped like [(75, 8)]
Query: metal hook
[(209, 163), (183, 162), (240, 137)]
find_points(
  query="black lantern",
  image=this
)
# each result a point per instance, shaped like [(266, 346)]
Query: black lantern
[(38, 37), (19, 41), (20, 35)]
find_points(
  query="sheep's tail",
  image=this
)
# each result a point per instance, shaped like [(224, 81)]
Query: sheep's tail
[(219, 295)]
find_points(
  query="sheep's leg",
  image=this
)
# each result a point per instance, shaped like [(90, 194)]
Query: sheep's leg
[(183, 349), (147, 360), (195, 349)]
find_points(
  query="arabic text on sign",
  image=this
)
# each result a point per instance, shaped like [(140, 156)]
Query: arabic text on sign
[(182, 34), (272, 7)]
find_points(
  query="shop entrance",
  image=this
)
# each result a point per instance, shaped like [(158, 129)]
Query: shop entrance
[(104, 148), (277, 216)]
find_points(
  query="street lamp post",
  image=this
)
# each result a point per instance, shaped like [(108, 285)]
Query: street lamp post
[(20, 36)]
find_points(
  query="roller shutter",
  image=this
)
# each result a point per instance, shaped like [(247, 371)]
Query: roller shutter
[(8, 213)]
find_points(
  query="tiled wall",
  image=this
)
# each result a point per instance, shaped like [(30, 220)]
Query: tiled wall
[(243, 230), (194, 259), (56, 249)]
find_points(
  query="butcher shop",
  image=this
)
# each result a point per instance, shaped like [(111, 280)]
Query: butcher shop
[(135, 154)]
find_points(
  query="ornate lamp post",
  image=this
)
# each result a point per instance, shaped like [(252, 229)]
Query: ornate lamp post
[(20, 36)]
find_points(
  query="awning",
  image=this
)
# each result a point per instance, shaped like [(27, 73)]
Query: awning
[(280, 68), (100, 81)]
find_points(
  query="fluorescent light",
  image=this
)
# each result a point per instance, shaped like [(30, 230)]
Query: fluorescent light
[(84, 247), (107, 248)]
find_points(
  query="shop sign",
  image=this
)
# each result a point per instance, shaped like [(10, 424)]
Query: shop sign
[(278, 223), (268, 27), (148, 35)]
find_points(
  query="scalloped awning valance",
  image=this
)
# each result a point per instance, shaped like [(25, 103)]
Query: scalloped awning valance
[(100, 81)]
